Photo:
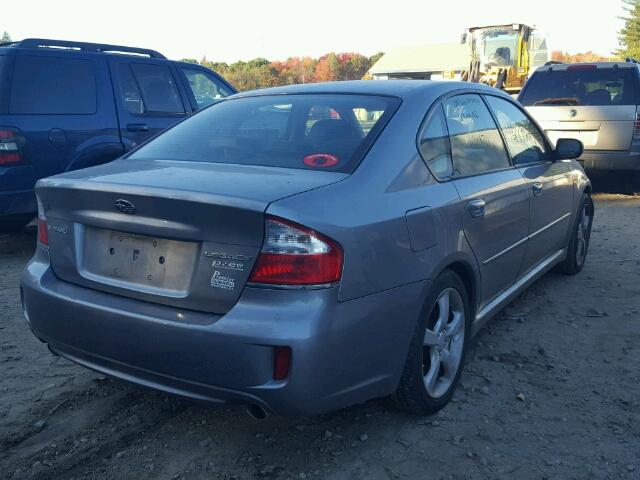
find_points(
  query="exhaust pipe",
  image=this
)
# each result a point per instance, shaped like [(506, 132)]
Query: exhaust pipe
[(256, 411)]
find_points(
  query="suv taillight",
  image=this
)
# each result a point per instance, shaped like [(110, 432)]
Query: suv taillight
[(43, 234), (296, 255), (11, 146), (636, 130)]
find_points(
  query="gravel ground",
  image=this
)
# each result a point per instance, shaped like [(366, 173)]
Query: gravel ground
[(551, 389)]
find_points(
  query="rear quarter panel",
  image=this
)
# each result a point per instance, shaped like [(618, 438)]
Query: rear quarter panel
[(374, 212)]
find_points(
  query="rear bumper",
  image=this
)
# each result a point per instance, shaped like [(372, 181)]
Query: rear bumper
[(342, 353), (16, 190), (18, 202), (610, 160)]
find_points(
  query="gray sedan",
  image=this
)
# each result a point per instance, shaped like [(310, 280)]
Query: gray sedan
[(305, 248)]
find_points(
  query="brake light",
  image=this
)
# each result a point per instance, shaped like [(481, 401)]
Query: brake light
[(296, 255), (10, 146), (636, 130), (281, 362), (582, 67), (43, 234)]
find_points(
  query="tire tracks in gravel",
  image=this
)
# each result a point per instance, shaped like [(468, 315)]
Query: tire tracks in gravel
[(68, 445)]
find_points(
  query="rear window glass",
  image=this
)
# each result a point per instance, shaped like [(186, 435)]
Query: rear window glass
[(52, 85), (582, 85), (322, 132)]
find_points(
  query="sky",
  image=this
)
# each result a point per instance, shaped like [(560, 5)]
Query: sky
[(277, 29)]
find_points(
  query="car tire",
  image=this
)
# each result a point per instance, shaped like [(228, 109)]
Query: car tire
[(15, 223), (436, 355), (580, 237)]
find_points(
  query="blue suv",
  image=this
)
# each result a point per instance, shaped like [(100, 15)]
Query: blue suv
[(69, 105)]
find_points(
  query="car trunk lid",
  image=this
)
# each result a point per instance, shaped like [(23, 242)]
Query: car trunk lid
[(597, 127), (176, 233)]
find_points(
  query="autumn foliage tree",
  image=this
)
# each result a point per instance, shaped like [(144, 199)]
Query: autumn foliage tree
[(565, 57), (261, 73)]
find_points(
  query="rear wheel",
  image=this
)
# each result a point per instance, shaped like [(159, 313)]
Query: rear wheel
[(15, 223), (438, 348), (580, 237)]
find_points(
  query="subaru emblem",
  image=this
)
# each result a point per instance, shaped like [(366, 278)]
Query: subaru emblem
[(124, 206)]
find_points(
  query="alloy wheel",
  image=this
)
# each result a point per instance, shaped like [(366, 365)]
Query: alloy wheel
[(583, 234), (443, 343)]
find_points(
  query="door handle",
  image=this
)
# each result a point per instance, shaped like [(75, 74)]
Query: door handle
[(537, 189), (137, 127), (476, 208)]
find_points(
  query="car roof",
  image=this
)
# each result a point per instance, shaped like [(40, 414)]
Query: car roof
[(70, 47), (396, 88), (565, 66)]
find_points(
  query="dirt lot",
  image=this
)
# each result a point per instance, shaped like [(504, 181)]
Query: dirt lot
[(569, 348)]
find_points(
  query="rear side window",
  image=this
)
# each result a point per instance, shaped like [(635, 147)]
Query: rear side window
[(206, 88), (52, 85), (524, 140), (321, 132), (149, 88), (476, 144), (586, 85), (435, 147)]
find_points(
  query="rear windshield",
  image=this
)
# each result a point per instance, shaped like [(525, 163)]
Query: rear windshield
[(321, 132), (585, 85)]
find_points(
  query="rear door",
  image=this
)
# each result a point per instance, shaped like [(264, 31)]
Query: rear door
[(494, 194), (592, 103), (149, 97), (551, 182)]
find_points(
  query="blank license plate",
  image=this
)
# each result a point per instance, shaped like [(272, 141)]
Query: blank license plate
[(138, 259)]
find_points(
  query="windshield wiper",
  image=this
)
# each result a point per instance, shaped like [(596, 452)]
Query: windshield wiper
[(558, 101)]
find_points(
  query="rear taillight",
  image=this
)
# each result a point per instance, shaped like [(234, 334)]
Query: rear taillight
[(636, 130), (296, 255), (43, 235), (11, 143)]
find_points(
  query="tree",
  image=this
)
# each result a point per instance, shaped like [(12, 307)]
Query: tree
[(565, 57), (6, 38), (261, 73), (630, 35)]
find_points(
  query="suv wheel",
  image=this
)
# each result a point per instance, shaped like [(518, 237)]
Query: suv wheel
[(580, 237), (438, 348)]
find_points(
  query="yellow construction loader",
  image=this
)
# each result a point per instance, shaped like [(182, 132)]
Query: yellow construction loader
[(503, 56)]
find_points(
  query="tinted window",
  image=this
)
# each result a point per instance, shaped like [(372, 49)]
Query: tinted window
[(157, 88), (476, 144), (206, 88), (524, 140), (435, 147), (131, 97), (273, 131), (51, 85), (582, 85)]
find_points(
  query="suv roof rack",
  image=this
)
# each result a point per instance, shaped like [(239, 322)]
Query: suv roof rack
[(83, 46)]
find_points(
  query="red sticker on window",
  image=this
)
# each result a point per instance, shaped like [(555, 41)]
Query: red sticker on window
[(321, 160)]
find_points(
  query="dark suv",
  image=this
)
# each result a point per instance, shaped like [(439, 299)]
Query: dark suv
[(69, 105)]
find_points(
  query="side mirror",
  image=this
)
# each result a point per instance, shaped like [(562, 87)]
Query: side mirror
[(568, 149)]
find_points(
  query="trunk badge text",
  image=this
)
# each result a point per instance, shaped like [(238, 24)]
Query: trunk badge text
[(58, 228), (124, 206)]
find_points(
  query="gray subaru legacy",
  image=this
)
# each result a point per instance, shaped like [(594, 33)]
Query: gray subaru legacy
[(301, 249)]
